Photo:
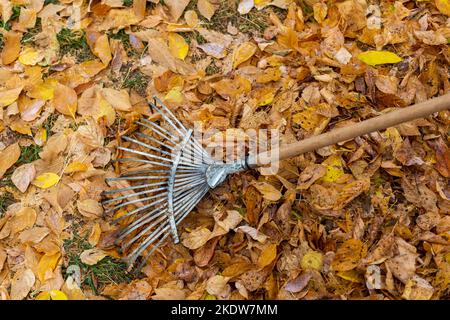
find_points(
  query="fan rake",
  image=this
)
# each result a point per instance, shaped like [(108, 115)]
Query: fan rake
[(173, 172)]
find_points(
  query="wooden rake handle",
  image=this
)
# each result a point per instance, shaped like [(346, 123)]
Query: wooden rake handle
[(381, 122)]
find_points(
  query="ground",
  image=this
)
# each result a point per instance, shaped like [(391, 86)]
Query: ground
[(367, 218)]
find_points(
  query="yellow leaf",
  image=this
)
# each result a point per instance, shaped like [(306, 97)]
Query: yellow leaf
[(76, 166), (8, 157), (242, 53), (175, 96), (95, 234), (178, 46), (102, 49), (21, 127), (206, 9), (191, 18), (40, 137), (51, 295), (46, 180), (65, 100), (351, 275), (11, 48), (44, 90), (9, 96), (348, 255), (264, 96), (312, 260), (443, 6), (373, 58), (106, 110), (47, 264), (334, 169), (30, 57), (267, 255), (268, 191)]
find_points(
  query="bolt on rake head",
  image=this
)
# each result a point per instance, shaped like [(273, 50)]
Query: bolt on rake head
[(173, 174)]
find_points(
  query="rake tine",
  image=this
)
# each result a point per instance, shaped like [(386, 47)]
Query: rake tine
[(155, 234), (159, 130), (151, 215), (145, 154), (132, 178), (134, 195), (146, 145), (127, 189), (142, 161), (167, 116), (135, 211), (135, 201), (146, 136)]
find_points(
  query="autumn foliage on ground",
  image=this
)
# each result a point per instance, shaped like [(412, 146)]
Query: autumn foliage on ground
[(368, 218)]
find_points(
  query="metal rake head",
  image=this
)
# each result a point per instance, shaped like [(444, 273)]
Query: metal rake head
[(171, 174)]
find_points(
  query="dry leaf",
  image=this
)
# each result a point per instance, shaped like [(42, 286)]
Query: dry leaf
[(65, 100), (21, 284), (8, 157), (196, 238), (119, 99), (23, 176), (11, 49), (243, 52), (92, 256), (268, 191), (206, 9), (46, 180), (90, 208), (177, 45), (267, 255), (374, 58)]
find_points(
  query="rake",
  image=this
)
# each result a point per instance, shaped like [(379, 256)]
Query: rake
[(173, 172)]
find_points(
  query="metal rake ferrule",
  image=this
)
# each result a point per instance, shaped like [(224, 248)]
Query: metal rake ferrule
[(174, 173)]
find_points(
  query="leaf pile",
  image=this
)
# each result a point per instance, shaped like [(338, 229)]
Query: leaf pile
[(368, 218)]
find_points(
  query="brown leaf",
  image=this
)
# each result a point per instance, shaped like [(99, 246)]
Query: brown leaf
[(12, 46), (65, 100), (92, 256), (23, 176), (206, 9), (8, 157), (22, 283), (348, 255), (403, 264), (196, 238), (176, 7)]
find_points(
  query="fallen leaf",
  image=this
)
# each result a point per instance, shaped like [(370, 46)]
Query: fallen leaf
[(46, 266), (23, 219), (418, 288), (46, 180), (217, 285), (206, 9), (268, 254), (22, 283), (374, 58), (252, 232), (197, 238), (312, 260), (243, 52), (268, 191), (90, 208), (176, 7), (443, 6), (177, 45), (52, 295), (12, 46), (65, 100), (348, 255), (8, 157), (9, 96), (245, 6), (92, 256), (119, 99)]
